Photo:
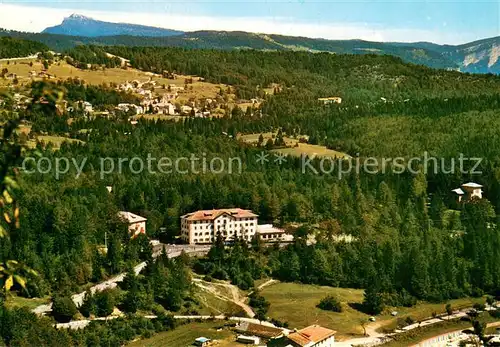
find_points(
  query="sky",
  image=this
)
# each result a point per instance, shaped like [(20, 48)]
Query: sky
[(442, 21)]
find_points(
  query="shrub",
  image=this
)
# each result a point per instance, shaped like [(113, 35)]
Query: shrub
[(330, 303), (63, 309), (495, 313), (490, 300), (88, 306), (479, 307), (105, 303)]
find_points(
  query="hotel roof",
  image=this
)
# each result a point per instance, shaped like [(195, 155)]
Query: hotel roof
[(311, 334), (206, 215)]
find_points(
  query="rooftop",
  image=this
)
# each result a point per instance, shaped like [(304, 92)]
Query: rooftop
[(472, 185), (259, 330), (202, 339), (131, 218), (213, 214), (269, 229), (311, 334)]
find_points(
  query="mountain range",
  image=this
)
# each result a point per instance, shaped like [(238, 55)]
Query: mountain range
[(474, 57), (78, 25)]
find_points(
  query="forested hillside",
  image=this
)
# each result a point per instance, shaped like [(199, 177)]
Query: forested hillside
[(476, 57), (357, 78), (12, 48), (410, 239)]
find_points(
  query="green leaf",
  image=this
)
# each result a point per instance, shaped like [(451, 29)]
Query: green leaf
[(9, 283), (3, 232), (11, 182), (20, 280), (7, 197)]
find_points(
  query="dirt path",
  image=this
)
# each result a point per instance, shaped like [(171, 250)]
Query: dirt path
[(235, 298), (267, 284)]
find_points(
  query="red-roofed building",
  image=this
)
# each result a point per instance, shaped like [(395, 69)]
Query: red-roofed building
[(312, 336), (136, 224), (202, 227)]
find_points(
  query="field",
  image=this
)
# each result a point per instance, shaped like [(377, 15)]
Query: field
[(294, 147), (186, 334), (62, 70), (421, 334), (56, 141), (296, 304), (14, 301), (311, 150), (212, 305)]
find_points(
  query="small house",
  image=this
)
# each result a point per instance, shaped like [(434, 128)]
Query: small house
[(268, 233), (331, 100), (468, 192), (473, 190), (259, 330), (202, 342), (248, 340), (312, 336), (136, 224)]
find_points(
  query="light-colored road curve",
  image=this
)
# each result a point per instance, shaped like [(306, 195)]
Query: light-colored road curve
[(172, 251)]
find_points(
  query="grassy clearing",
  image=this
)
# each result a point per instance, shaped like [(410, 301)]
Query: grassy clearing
[(311, 150), (425, 310), (14, 301), (61, 70), (296, 304), (421, 334), (211, 305), (186, 334), (56, 141), (294, 147), (254, 138)]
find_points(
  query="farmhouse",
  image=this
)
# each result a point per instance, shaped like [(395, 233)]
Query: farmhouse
[(263, 331), (130, 107), (332, 100), (202, 342), (204, 226), (136, 224), (312, 336), (269, 233), (468, 191)]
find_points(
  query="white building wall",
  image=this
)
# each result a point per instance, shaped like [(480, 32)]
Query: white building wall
[(330, 342), (137, 228), (206, 231)]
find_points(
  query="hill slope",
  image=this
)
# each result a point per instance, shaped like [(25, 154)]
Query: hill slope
[(476, 57), (78, 25), (12, 48)]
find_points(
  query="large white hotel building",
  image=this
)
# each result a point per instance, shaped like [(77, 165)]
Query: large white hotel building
[(203, 226)]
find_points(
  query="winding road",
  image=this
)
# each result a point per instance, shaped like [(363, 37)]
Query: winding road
[(172, 251)]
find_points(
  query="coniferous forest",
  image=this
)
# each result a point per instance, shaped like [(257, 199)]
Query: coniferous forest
[(410, 239)]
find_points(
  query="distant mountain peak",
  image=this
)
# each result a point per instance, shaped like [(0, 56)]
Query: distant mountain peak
[(80, 25), (78, 17)]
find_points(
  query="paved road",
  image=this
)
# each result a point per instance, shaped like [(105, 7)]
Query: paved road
[(376, 338), (80, 324), (20, 58), (172, 251)]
